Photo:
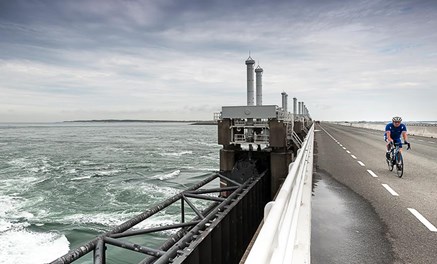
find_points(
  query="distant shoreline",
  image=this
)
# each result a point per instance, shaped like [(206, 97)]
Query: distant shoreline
[(192, 122)]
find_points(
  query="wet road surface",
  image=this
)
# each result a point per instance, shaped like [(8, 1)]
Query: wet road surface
[(345, 227), (404, 209)]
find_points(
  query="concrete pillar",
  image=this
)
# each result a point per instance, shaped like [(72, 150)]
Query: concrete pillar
[(259, 85), (295, 106), (250, 82), (284, 101)]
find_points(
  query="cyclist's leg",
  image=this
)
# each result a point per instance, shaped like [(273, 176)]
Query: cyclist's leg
[(388, 147), (398, 141)]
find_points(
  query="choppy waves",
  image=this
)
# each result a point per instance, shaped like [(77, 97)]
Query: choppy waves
[(92, 178), (19, 245), (167, 176)]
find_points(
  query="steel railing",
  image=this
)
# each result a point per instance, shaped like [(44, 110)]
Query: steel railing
[(286, 232)]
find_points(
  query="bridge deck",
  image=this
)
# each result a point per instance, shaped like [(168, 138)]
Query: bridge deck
[(355, 161)]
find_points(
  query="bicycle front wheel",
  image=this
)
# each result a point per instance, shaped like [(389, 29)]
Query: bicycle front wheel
[(389, 163), (399, 165)]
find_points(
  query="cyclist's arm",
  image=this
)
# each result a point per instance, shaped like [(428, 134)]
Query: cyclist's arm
[(388, 136), (404, 134)]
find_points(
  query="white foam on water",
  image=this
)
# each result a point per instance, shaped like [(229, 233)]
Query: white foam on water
[(160, 220), (167, 176), (9, 204), (32, 165), (107, 173), (207, 169), (72, 171), (81, 178), (20, 162), (5, 225), (106, 219), (208, 144), (215, 157), (152, 189), (177, 154), (20, 246)]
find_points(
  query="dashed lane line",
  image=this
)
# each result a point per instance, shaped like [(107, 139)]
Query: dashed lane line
[(362, 164), (390, 190), (344, 148), (348, 151), (422, 219), (353, 156), (372, 173)]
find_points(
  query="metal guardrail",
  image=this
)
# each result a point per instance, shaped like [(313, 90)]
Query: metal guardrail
[(286, 232), (296, 139), (237, 217), (190, 228)]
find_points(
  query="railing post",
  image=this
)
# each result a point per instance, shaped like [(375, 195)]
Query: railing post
[(99, 252)]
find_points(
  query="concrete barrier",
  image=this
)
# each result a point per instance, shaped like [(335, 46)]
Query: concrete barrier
[(424, 130)]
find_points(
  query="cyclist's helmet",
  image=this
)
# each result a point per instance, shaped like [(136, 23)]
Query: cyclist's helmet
[(397, 119)]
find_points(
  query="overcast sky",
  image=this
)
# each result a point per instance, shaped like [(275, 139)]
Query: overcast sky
[(348, 60)]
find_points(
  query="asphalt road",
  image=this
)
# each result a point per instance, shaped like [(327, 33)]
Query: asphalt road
[(406, 207)]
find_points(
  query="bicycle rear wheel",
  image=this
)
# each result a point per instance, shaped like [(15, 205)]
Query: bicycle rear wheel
[(399, 165)]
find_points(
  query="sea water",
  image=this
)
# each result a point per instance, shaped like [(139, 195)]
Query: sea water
[(62, 184)]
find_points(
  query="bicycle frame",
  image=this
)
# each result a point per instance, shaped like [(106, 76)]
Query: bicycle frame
[(395, 149), (396, 159)]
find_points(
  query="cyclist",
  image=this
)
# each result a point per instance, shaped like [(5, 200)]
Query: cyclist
[(393, 133)]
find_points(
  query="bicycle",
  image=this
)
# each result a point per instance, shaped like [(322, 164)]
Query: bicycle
[(396, 159)]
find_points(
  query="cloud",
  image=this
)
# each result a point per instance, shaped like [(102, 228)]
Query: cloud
[(172, 59)]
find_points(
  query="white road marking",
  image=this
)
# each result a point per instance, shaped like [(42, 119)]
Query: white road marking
[(362, 164), (353, 156), (341, 145), (420, 140), (431, 142), (422, 219), (348, 151), (372, 173), (344, 148), (390, 190), (317, 130)]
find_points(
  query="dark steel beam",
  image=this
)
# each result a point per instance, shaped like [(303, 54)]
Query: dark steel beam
[(152, 229), (228, 179), (176, 237), (134, 247), (205, 197), (214, 190), (198, 213), (99, 252), (182, 210)]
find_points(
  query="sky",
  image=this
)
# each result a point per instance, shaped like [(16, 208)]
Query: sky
[(183, 60)]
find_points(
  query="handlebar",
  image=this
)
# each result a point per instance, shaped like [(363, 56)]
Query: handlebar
[(397, 144)]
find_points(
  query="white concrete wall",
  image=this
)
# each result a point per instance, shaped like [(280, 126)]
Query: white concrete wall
[(417, 130)]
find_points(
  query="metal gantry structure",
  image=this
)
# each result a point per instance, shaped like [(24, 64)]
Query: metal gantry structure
[(222, 212)]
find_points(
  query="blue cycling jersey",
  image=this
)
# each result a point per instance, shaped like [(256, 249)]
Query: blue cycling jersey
[(395, 132)]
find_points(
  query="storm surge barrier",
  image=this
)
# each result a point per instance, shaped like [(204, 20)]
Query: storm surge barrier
[(219, 233), (266, 155)]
